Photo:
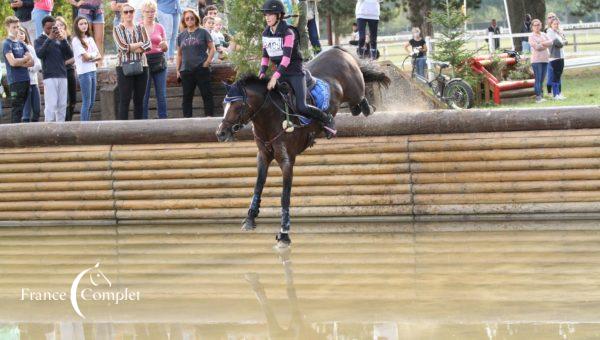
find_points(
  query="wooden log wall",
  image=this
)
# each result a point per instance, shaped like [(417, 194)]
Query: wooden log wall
[(526, 174)]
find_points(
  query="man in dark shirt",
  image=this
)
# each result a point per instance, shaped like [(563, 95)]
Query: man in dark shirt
[(23, 10), (53, 49), (17, 59), (495, 30)]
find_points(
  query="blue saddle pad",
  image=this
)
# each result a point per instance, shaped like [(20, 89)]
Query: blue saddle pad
[(320, 95)]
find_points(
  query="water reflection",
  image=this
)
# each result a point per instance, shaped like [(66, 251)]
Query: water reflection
[(534, 280)]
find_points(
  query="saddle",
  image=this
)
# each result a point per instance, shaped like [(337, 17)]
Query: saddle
[(318, 94)]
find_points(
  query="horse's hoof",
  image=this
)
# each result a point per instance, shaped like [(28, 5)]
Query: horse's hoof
[(355, 111), (283, 240), (248, 224)]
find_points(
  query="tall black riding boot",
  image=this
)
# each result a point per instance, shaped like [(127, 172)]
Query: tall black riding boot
[(325, 118)]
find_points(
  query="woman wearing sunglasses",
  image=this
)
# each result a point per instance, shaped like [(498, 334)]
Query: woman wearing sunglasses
[(132, 69), (539, 42), (195, 50)]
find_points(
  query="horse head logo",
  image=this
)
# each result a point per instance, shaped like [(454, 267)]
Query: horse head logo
[(96, 277)]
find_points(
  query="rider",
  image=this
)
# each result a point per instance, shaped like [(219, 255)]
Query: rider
[(280, 46)]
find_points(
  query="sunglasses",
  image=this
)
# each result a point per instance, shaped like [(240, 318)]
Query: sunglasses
[(129, 11), (190, 19)]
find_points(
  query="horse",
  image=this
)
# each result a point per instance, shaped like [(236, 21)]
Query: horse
[(248, 100)]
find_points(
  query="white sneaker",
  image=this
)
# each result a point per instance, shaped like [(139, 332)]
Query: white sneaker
[(560, 97), (539, 100)]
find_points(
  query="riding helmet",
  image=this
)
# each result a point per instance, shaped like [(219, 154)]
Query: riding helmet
[(273, 6)]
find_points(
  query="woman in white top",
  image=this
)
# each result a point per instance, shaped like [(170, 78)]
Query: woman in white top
[(31, 110), (557, 57), (367, 13), (86, 55)]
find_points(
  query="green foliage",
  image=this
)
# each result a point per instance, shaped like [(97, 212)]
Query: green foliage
[(450, 46), (521, 71), (61, 8), (497, 67), (248, 23)]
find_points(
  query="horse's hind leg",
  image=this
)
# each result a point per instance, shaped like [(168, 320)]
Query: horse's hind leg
[(262, 165), (366, 108)]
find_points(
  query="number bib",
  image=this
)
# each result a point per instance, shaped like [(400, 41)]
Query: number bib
[(273, 46)]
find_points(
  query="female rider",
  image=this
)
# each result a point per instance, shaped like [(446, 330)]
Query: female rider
[(280, 46)]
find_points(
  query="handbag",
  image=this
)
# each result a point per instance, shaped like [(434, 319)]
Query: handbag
[(156, 62), (132, 68)]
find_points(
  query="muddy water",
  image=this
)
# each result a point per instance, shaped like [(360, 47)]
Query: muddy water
[(338, 281)]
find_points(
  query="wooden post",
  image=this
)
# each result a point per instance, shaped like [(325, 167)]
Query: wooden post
[(329, 31), (486, 90), (575, 42)]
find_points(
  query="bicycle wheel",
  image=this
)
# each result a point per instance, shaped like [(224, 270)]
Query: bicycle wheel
[(458, 94), (436, 86)]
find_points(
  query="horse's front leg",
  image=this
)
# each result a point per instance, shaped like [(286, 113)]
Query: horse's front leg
[(262, 165), (287, 169)]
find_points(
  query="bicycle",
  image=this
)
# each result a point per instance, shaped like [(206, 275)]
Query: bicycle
[(455, 92)]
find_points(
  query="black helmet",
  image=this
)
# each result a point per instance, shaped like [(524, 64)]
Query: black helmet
[(273, 6)]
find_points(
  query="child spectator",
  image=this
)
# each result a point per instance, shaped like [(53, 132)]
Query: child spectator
[(61, 23), (31, 111), (557, 57), (86, 55), (53, 50), (17, 59)]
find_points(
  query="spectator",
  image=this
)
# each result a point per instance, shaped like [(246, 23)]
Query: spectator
[(222, 44), (86, 55), (211, 11), (367, 13), (201, 7), (539, 42), (312, 14), (549, 17), (168, 17), (354, 37), (93, 11), (525, 48), (494, 29), (418, 50), (41, 9), (157, 63), (71, 74), (132, 68), (116, 6), (557, 57), (209, 24), (195, 50), (17, 59), (53, 50), (31, 110), (23, 9)]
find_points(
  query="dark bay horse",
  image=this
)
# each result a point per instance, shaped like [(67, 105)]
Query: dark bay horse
[(249, 100)]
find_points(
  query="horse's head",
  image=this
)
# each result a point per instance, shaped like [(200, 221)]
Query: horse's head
[(244, 99)]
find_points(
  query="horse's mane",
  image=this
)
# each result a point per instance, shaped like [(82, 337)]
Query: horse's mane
[(249, 79)]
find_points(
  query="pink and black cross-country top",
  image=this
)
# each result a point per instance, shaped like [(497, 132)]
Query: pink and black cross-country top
[(281, 48)]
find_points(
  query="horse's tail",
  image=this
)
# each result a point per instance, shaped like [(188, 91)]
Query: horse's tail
[(371, 72)]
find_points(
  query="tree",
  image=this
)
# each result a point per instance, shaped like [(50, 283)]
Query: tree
[(248, 24), (419, 10), (451, 41), (517, 10)]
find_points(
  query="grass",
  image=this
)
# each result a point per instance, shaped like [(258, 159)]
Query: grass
[(581, 86)]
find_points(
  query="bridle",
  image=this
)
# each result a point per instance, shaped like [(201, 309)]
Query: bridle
[(246, 107)]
